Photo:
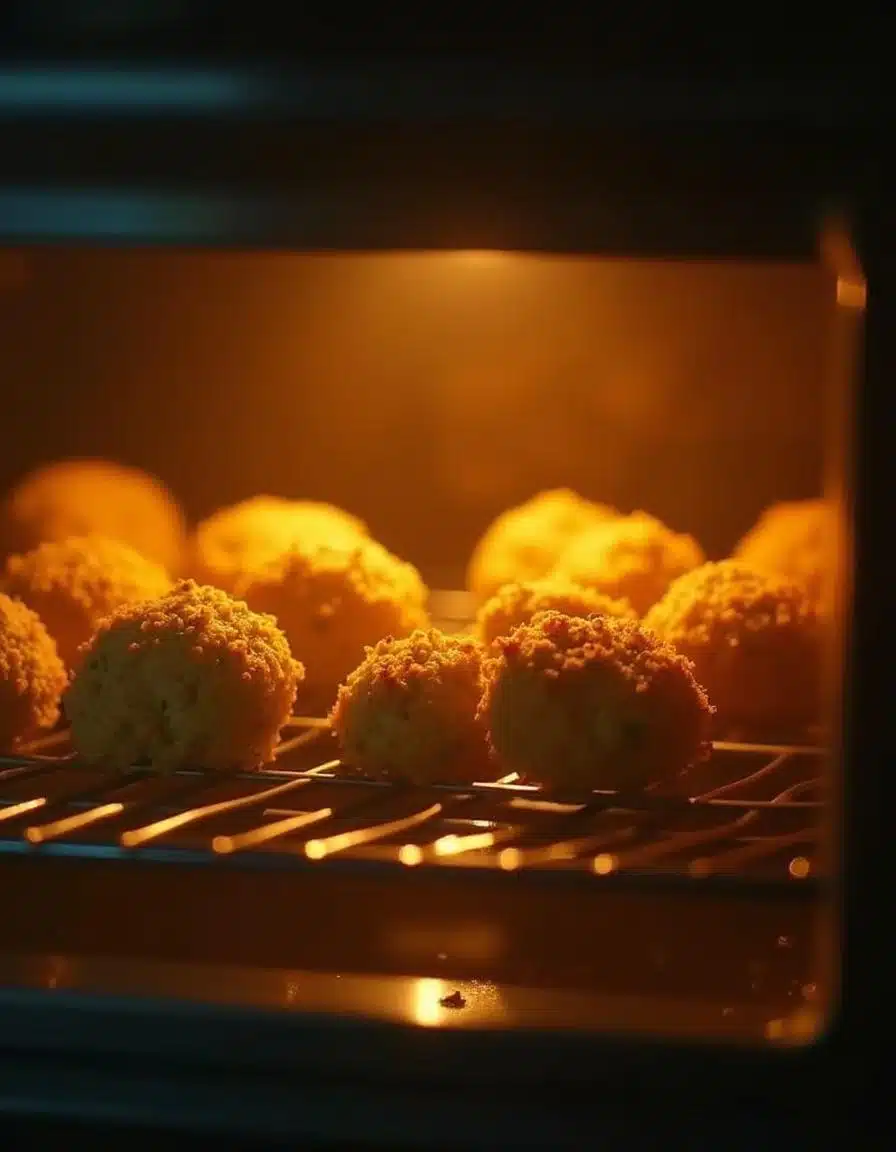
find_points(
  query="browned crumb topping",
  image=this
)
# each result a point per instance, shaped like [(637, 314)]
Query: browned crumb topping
[(32, 677), (409, 709), (518, 603), (596, 702), (73, 583), (633, 557), (193, 677)]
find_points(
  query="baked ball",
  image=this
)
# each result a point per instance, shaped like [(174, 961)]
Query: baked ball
[(83, 497), (192, 679), (516, 604), (755, 644), (409, 710), (797, 540), (74, 583), (525, 542), (32, 676), (243, 536), (633, 557), (599, 703), (332, 603)]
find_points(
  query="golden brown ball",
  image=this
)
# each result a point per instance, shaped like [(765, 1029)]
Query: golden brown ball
[(755, 644), (632, 558), (797, 540), (599, 703), (32, 676), (525, 542), (192, 679), (332, 603), (516, 604), (84, 497), (408, 711), (74, 583), (241, 537)]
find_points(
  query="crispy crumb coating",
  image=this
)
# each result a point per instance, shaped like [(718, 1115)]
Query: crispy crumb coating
[(32, 677), (86, 497), (632, 558), (796, 540), (516, 604), (524, 542), (599, 703), (190, 679), (334, 602), (239, 538), (755, 643), (74, 583), (409, 710)]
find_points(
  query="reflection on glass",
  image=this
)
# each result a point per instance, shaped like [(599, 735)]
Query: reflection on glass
[(426, 1008)]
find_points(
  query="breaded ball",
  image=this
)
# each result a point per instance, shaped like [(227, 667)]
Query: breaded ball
[(243, 536), (632, 558), (409, 710), (72, 584), (32, 677), (334, 602), (599, 703), (193, 679), (796, 540), (755, 644), (83, 497), (525, 542), (516, 604)]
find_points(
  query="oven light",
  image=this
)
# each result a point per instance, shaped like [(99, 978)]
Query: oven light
[(426, 1006)]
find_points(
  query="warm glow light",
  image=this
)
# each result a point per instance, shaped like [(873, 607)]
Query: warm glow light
[(255, 836), (480, 258), (799, 868), (134, 837), (802, 1026), (510, 859), (410, 855), (604, 864), (453, 845), (851, 293), (14, 810), (426, 1008), (317, 849), (38, 833)]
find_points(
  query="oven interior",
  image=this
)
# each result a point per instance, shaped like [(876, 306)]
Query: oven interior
[(427, 393)]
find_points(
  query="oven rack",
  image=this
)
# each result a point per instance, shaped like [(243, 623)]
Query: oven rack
[(753, 812)]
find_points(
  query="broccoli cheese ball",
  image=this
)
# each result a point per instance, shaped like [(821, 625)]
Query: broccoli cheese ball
[(525, 542), (32, 676), (755, 644), (192, 679), (334, 602), (241, 537), (73, 583), (85, 497), (516, 604), (409, 710), (599, 703), (633, 557), (796, 540)]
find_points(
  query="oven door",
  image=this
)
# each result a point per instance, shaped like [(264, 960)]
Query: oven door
[(407, 157)]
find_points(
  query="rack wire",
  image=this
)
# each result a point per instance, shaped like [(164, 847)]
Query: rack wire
[(752, 812)]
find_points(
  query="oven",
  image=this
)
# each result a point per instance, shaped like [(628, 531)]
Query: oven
[(425, 294)]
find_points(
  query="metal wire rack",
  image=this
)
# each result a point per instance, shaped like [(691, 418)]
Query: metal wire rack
[(754, 812)]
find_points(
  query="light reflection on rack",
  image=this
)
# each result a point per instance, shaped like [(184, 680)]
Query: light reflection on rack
[(749, 819)]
